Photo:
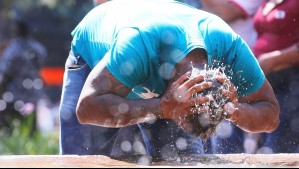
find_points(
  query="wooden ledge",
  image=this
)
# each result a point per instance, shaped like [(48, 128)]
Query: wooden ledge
[(97, 161)]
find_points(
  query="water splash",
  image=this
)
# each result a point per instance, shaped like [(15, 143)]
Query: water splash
[(217, 100), (208, 115)]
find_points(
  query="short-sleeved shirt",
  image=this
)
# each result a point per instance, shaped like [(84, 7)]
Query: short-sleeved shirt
[(141, 41), (244, 26), (278, 29)]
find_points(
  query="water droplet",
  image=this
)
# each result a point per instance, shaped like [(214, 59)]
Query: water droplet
[(144, 160), (123, 108), (38, 84), (27, 83), (168, 37), (250, 145), (224, 130), (126, 146), (165, 70), (181, 143), (139, 148), (19, 105), (2, 105), (127, 68), (8, 97)]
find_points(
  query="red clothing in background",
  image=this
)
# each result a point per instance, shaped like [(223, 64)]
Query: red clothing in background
[(278, 29)]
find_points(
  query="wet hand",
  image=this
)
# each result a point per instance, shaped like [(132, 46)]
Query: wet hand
[(178, 100), (230, 91)]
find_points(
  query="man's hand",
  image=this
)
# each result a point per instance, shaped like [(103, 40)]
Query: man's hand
[(229, 91), (208, 115), (178, 101)]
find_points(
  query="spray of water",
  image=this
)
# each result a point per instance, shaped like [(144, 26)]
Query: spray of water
[(214, 93), (207, 116)]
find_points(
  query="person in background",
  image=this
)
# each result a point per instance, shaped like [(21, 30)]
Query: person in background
[(194, 3), (3, 44), (4, 34), (139, 64), (239, 15), (20, 82), (277, 50)]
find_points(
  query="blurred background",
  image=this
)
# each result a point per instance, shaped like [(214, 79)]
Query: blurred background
[(50, 22), (34, 127)]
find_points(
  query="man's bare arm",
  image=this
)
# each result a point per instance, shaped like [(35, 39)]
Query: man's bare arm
[(102, 101), (279, 59), (258, 112)]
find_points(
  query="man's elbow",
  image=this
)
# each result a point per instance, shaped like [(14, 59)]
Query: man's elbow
[(82, 111), (275, 120)]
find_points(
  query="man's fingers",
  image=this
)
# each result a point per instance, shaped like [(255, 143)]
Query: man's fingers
[(193, 81), (231, 95), (229, 109), (220, 78), (185, 92), (197, 88), (228, 94), (198, 101), (223, 79), (183, 78), (228, 88)]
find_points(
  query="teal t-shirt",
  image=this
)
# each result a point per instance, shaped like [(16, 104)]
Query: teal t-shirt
[(141, 41)]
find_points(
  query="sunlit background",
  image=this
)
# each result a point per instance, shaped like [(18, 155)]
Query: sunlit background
[(50, 22)]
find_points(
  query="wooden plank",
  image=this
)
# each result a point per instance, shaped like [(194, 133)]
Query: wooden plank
[(97, 161), (69, 161), (237, 160)]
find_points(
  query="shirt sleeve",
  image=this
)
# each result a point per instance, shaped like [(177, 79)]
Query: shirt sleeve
[(248, 76), (228, 51), (128, 60)]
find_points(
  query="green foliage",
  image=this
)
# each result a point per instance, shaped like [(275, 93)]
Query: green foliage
[(25, 141)]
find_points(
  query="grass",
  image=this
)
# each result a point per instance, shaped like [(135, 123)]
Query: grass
[(24, 141)]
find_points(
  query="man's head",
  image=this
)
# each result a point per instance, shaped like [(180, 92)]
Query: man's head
[(207, 116)]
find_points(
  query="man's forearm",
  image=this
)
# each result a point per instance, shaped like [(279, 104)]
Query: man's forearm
[(279, 59), (256, 117), (288, 56), (114, 111)]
